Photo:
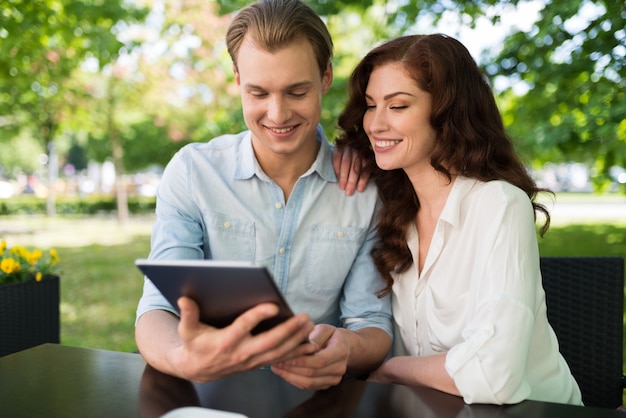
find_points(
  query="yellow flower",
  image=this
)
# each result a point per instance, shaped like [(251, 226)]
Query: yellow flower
[(18, 264), (33, 257), (9, 265), (20, 251), (54, 257)]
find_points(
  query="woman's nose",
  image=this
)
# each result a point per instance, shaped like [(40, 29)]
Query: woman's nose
[(374, 121)]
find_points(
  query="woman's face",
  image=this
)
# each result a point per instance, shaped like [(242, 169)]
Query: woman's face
[(397, 120)]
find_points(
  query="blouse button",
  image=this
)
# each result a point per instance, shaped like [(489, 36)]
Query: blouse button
[(226, 225), (282, 250), (340, 234), (278, 205)]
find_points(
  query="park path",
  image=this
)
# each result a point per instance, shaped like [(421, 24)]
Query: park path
[(573, 212), (105, 230), (44, 232)]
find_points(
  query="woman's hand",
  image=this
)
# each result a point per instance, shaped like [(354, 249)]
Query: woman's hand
[(348, 168)]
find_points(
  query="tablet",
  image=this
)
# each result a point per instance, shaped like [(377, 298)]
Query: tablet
[(223, 290)]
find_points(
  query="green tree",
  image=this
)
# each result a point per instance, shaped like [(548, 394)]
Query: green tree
[(190, 84), (572, 64), (151, 103), (41, 44)]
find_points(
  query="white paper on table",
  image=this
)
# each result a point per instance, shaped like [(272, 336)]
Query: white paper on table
[(197, 412)]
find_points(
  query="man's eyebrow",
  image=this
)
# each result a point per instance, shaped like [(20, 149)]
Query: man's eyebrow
[(391, 95), (299, 85), (294, 86)]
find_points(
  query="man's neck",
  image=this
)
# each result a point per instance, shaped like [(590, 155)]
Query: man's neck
[(286, 169)]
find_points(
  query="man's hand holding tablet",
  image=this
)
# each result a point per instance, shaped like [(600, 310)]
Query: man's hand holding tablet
[(250, 331)]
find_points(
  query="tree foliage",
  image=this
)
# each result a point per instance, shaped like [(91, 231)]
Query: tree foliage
[(573, 63), (42, 43), (175, 83)]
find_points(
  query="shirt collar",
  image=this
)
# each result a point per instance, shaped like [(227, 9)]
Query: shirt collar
[(248, 166), (452, 210)]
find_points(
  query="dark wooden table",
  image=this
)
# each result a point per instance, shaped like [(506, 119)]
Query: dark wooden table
[(59, 381)]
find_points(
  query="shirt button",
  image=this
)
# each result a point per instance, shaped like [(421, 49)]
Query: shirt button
[(226, 225), (278, 205), (282, 250), (340, 234)]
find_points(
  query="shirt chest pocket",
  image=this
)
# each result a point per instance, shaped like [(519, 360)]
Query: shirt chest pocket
[(229, 238), (331, 252)]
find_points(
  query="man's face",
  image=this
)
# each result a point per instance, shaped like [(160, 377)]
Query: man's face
[(281, 94)]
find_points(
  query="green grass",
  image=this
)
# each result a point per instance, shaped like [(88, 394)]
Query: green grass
[(100, 288), (585, 240)]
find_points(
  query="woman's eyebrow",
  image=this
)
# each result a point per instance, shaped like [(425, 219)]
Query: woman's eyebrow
[(391, 95)]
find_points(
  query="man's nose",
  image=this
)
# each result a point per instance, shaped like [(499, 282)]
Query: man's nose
[(278, 110)]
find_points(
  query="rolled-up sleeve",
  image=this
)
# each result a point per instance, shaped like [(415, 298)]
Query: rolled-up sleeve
[(489, 366)]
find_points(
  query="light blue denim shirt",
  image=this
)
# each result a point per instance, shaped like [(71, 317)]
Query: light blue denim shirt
[(215, 202)]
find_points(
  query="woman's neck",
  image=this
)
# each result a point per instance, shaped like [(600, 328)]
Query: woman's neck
[(432, 189)]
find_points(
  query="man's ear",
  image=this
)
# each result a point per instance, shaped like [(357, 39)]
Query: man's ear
[(237, 78), (327, 77)]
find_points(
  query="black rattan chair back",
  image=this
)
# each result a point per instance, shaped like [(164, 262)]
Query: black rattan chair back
[(585, 300)]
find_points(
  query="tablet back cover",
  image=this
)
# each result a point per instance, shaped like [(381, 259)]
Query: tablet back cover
[(222, 289)]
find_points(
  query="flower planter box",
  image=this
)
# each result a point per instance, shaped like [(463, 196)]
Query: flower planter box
[(29, 314)]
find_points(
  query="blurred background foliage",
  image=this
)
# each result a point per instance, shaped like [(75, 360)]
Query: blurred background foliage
[(133, 81)]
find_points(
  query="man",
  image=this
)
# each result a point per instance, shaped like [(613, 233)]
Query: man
[(269, 195)]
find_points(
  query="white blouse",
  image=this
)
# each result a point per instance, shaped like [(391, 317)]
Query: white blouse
[(479, 297)]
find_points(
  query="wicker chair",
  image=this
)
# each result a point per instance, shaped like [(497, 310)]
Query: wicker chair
[(585, 299)]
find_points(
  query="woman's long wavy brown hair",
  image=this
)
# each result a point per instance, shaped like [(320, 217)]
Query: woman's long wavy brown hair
[(471, 140)]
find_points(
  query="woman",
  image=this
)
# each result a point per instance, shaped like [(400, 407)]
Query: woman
[(458, 247)]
